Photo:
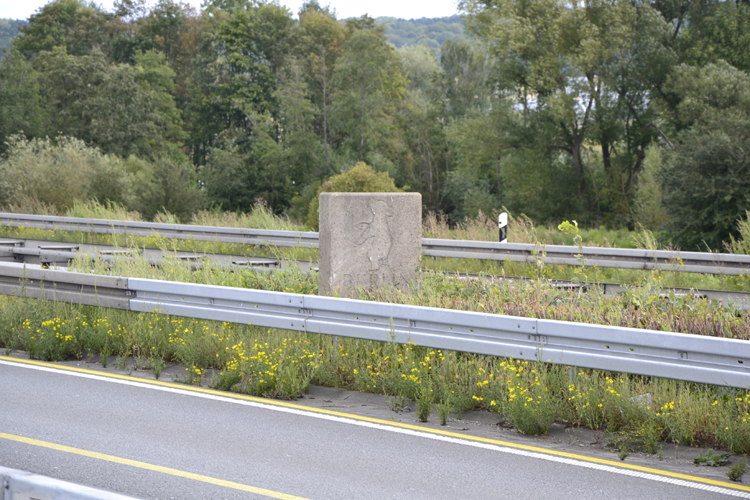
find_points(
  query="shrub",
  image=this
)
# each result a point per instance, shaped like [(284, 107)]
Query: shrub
[(741, 245), (361, 178), (57, 173)]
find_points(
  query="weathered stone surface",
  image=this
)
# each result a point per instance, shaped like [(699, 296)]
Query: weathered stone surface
[(369, 240)]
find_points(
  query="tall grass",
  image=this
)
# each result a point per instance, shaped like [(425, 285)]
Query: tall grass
[(92, 209), (260, 217), (521, 229), (741, 246), (632, 411)]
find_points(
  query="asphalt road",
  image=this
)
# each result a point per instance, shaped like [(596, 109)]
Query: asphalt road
[(175, 442)]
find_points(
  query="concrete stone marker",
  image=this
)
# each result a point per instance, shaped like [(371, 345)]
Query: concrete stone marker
[(369, 240)]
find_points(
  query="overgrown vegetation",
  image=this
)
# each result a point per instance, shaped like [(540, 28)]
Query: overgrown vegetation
[(648, 285), (632, 412), (635, 412)]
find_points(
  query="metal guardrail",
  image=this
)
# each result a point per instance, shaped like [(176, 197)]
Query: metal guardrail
[(76, 288), (61, 255), (22, 485), (47, 255), (731, 299), (176, 231), (622, 258), (678, 356)]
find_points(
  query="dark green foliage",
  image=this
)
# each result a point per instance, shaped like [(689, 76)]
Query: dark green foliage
[(723, 34), (738, 470), (712, 460), (8, 29), (430, 32), (171, 188), (114, 107), (707, 183), (370, 84), (20, 101), (78, 26)]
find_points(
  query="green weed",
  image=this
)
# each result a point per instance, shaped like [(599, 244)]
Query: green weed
[(738, 470), (712, 460)]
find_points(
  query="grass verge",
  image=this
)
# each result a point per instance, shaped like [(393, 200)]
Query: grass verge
[(632, 412)]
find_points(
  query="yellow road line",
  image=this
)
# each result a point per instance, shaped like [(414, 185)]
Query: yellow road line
[(151, 467), (497, 442)]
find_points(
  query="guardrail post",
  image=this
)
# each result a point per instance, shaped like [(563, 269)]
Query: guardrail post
[(502, 224)]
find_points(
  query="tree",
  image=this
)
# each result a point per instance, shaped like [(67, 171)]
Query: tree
[(369, 88), (236, 72), (707, 92), (420, 67), (20, 110), (587, 71), (106, 105), (319, 44), (707, 182), (163, 27), (79, 27), (157, 80), (648, 202), (297, 113), (169, 187), (421, 123), (8, 30), (46, 173), (466, 72)]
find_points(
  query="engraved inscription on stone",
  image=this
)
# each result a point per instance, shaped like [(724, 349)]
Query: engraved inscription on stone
[(369, 240)]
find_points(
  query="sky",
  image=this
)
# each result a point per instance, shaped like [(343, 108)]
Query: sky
[(410, 9)]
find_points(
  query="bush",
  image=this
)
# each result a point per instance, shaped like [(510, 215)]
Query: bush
[(741, 245), (707, 185), (361, 178), (43, 172), (169, 187)]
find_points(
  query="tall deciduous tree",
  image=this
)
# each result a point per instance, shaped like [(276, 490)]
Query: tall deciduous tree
[(106, 105), (707, 181), (319, 43), (20, 109), (588, 68), (369, 87), (78, 26)]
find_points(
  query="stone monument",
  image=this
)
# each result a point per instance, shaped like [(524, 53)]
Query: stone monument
[(369, 240)]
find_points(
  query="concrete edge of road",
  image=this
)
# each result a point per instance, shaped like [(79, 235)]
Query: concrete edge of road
[(514, 442)]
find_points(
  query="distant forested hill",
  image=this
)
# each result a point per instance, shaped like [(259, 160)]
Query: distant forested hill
[(8, 29), (431, 32)]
